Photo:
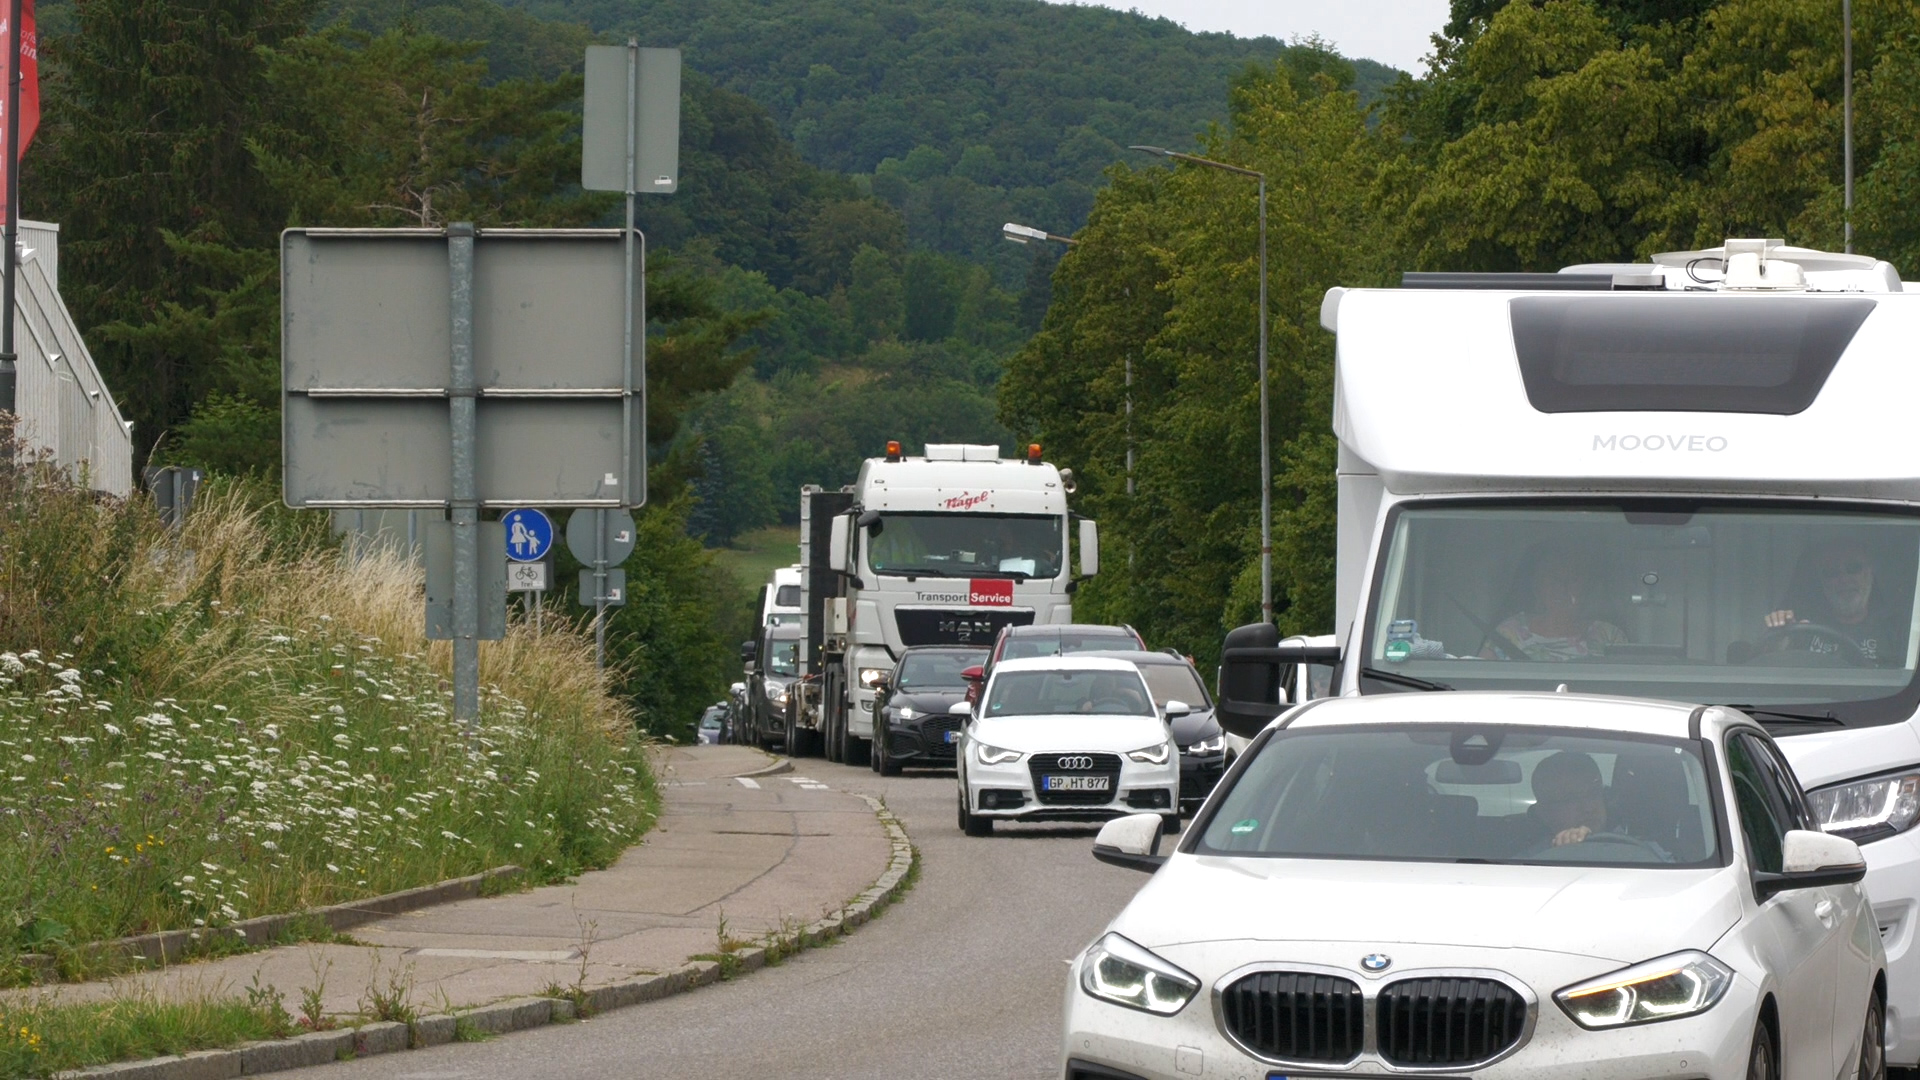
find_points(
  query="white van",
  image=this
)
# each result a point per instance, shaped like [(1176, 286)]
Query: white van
[(780, 600), (1695, 480)]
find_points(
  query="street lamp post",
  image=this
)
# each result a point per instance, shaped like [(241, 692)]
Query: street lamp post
[(1266, 456)]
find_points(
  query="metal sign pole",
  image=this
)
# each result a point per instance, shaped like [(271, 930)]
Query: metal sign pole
[(462, 395), (600, 546), (626, 299)]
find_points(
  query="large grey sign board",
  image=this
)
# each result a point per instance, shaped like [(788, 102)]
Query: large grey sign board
[(655, 120), (365, 369), (493, 580)]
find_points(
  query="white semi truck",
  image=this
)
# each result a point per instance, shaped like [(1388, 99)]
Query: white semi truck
[(943, 549), (1696, 479)]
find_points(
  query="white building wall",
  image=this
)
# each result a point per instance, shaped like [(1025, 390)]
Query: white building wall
[(66, 413)]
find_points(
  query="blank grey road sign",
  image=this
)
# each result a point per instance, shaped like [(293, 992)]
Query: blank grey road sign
[(620, 533), (493, 580), (366, 336), (616, 589), (656, 121)]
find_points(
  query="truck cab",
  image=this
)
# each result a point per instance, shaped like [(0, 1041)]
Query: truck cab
[(945, 548), (1691, 479)]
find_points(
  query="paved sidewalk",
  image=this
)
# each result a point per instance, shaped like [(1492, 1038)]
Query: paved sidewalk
[(771, 852)]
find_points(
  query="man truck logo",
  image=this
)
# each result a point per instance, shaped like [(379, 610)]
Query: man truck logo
[(990, 592), (965, 502), (1680, 444)]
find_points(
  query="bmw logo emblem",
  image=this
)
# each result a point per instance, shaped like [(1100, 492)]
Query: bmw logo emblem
[(1376, 961)]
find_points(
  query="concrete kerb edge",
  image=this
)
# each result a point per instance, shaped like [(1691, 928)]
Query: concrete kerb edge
[(780, 765), (516, 1014)]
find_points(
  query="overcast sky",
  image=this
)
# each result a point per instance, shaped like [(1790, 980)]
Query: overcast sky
[(1391, 31)]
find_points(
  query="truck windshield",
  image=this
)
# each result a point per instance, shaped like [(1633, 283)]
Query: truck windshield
[(1798, 609), (966, 545), (1479, 794), (783, 657)]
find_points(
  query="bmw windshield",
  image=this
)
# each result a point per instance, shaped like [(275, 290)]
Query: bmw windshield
[(1470, 794), (1805, 610), (966, 545)]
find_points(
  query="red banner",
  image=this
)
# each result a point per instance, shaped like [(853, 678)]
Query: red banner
[(990, 592), (29, 54)]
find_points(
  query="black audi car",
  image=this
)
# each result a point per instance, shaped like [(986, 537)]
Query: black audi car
[(1203, 746), (911, 724)]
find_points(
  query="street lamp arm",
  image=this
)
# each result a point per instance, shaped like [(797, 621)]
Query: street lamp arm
[(1195, 159)]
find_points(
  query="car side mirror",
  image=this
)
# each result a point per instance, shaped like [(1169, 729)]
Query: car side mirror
[(960, 708), (1176, 708), (1811, 860), (1132, 841), (973, 674)]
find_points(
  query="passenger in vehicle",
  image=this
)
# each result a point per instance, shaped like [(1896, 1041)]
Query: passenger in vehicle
[(1554, 620), (1570, 799), (1834, 588)]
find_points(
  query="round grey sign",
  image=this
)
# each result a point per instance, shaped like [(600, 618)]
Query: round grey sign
[(618, 535)]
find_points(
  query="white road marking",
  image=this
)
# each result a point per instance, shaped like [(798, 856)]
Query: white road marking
[(745, 782)]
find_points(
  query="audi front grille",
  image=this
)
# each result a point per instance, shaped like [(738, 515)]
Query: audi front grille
[(1043, 765), (1447, 1021), (1296, 1016)]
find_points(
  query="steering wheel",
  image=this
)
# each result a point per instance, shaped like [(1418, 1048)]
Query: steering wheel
[(1775, 640)]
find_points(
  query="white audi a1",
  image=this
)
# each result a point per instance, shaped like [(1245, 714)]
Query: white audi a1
[(1501, 885), (1066, 738)]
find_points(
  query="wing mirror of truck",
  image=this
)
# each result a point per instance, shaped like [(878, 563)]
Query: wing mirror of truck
[(1252, 689), (870, 521), (1089, 548), (837, 545), (1811, 860)]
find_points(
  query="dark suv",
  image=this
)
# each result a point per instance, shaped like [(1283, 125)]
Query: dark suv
[(911, 724), (1203, 746), (1020, 642)]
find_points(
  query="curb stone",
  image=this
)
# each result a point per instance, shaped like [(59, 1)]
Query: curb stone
[(171, 946), (515, 1014), (782, 765)]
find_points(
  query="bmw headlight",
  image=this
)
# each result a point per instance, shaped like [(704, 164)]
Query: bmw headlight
[(777, 695), (870, 676), (1866, 810), (994, 755), (1208, 746), (1115, 969), (1665, 989), (1151, 755)]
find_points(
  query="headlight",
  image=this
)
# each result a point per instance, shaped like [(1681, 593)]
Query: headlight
[(1673, 986), (1209, 746), (870, 676), (1867, 810), (777, 695), (905, 712), (994, 755), (1119, 971), (1151, 755)]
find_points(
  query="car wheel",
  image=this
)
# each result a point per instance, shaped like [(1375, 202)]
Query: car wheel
[(883, 762), (1873, 1041), (1760, 1061), (970, 823)]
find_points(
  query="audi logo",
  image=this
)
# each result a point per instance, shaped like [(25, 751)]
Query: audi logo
[(1076, 761)]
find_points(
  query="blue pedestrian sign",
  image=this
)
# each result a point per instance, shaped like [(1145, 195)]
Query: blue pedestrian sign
[(529, 535)]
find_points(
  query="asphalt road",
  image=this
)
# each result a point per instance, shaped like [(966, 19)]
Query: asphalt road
[(962, 979)]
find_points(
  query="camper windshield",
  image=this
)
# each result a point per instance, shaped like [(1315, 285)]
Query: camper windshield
[(1791, 608), (966, 545)]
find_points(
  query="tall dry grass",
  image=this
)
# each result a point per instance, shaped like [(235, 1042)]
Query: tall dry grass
[(241, 717)]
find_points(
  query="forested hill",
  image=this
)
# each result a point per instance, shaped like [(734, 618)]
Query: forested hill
[(965, 113)]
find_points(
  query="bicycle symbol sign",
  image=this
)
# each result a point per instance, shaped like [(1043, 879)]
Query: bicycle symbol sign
[(529, 535)]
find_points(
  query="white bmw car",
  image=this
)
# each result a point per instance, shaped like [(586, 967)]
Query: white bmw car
[(1501, 885), (1066, 738)]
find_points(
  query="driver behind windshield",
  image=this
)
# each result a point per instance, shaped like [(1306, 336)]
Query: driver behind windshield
[(1833, 590), (1570, 799), (1555, 620)]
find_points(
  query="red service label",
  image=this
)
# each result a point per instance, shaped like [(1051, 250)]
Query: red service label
[(990, 592)]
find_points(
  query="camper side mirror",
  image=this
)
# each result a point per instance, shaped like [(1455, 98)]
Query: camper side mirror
[(1252, 689)]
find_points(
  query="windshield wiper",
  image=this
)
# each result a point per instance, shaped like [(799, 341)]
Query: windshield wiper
[(1398, 679), (1826, 718)]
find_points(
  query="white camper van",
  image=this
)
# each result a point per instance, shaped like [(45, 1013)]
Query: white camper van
[(780, 600), (1695, 480)]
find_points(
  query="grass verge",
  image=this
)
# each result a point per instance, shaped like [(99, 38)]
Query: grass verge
[(41, 1038), (239, 718), (754, 556)]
